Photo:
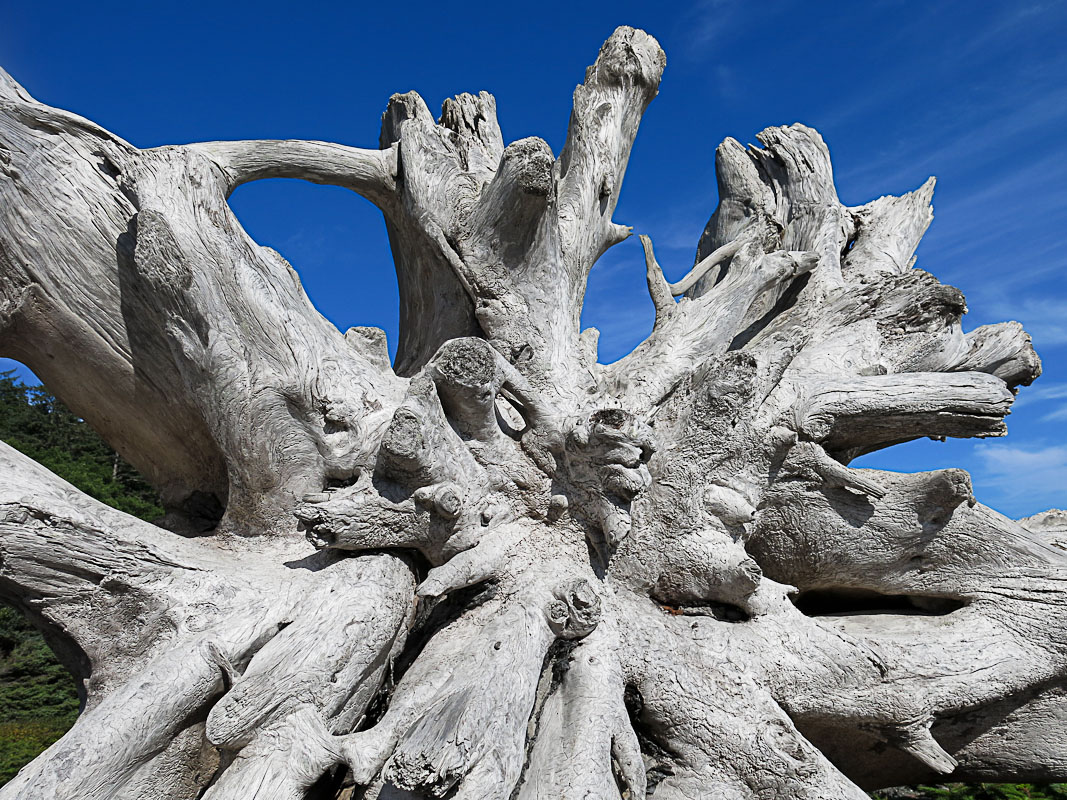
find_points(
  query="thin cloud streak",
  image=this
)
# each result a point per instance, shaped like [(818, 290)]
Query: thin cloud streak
[(1023, 480)]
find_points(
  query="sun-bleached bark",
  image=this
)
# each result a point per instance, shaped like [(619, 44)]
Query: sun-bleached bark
[(500, 569)]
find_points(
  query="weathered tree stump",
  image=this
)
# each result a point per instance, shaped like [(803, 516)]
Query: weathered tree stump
[(533, 576)]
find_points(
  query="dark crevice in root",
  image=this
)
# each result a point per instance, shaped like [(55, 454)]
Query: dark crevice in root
[(197, 515), (553, 669), (379, 704), (433, 616), (723, 612), (328, 786), (845, 601), (659, 764), (342, 483), (785, 302)]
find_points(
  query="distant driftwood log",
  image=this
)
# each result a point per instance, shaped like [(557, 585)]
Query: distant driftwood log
[(533, 575)]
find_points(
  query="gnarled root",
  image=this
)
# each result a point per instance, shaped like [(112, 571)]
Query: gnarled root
[(584, 745), (457, 720), (719, 733)]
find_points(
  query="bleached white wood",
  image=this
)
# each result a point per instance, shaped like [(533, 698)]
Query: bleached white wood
[(500, 569)]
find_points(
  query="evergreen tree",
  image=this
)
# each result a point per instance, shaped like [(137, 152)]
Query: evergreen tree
[(38, 698), (33, 421)]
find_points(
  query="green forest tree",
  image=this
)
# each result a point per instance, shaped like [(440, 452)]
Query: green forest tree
[(38, 698)]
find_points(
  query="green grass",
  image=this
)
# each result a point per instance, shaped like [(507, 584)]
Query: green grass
[(21, 742)]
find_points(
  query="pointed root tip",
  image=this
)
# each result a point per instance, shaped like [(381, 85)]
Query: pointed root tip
[(937, 760), (619, 233), (457, 574), (650, 255), (918, 742)]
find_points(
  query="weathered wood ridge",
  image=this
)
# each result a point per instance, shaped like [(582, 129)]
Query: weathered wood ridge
[(533, 576)]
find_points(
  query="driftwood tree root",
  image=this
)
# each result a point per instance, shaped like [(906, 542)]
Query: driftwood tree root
[(501, 569)]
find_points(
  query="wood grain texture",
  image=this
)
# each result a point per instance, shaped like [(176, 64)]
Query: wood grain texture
[(498, 569)]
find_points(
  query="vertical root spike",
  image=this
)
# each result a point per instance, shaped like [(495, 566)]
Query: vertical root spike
[(658, 288)]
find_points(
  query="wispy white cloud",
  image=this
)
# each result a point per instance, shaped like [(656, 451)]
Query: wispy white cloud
[(1023, 478), (1040, 393), (1044, 318), (984, 134), (992, 35), (1044, 396), (1060, 414), (727, 82), (978, 247), (1012, 16), (709, 21)]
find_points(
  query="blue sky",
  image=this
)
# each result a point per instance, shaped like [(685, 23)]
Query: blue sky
[(974, 93)]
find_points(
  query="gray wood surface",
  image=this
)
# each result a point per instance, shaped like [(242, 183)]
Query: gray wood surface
[(503, 570)]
